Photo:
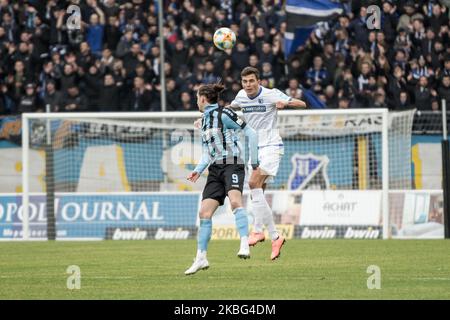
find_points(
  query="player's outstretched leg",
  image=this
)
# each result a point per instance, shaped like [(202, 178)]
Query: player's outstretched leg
[(204, 235), (241, 218), (259, 207), (277, 240), (276, 247)]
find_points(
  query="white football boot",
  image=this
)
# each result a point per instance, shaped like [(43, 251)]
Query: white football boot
[(200, 263), (244, 250)]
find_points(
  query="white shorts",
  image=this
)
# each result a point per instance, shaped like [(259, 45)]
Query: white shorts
[(269, 161)]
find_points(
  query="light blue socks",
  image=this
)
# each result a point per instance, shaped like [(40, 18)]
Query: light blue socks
[(240, 216), (204, 234)]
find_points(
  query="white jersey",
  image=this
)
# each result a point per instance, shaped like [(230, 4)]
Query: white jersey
[(260, 113)]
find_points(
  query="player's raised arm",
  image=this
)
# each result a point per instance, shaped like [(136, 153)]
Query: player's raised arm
[(282, 100), (201, 166), (294, 103)]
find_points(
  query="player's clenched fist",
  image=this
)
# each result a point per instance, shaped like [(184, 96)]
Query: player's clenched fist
[(281, 104), (193, 176)]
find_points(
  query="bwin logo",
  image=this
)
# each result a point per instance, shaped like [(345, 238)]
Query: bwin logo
[(309, 172)]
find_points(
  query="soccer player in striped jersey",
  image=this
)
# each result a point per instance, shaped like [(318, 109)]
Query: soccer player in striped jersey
[(260, 106), (226, 170)]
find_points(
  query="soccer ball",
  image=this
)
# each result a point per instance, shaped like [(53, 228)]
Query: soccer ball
[(224, 38)]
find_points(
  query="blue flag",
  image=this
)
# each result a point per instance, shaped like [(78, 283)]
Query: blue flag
[(302, 16), (313, 101)]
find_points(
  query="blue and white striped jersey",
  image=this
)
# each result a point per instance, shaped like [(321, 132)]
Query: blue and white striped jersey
[(220, 140)]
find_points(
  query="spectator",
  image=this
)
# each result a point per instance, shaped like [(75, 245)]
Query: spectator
[(112, 33), (295, 69), (173, 95), (52, 97), (344, 103), (146, 44), (397, 85), (444, 89), (437, 19), (254, 62), (423, 95), (366, 85), (330, 62), (186, 102), (331, 100), (111, 8), (228, 73), (179, 56), (93, 85), (266, 54), (404, 102), (268, 75), (405, 20), (106, 61), (435, 104), (347, 85), (294, 90), (209, 75), (390, 16), (140, 97), (132, 58), (124, 45), (317, 76), (3, 106), (358, 27), (109, 99), (240, 56), (380, 99), (73, 101), (95, 30), (428, 42), (69, 78), (30, 101), (41, 36), (403, 41)]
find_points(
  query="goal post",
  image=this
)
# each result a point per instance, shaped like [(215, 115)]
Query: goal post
[(122, 175)]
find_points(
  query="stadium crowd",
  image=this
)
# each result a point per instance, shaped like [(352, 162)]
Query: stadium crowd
[(112, 62)]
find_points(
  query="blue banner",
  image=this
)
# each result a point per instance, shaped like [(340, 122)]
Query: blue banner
[(89, 216)]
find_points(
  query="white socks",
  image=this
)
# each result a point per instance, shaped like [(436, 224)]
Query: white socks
[(244, 242), (262, 213), (259, 206), (200, 255)]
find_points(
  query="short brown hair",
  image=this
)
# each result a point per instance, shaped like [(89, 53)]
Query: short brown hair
[(249, 71), (211, 92)]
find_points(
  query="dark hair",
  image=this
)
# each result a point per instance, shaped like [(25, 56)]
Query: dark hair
[(249, 71), (211, 91)]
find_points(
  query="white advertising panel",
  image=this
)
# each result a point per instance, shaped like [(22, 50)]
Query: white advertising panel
[(341, 208)]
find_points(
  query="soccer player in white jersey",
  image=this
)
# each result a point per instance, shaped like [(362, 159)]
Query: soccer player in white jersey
[(260, 106)]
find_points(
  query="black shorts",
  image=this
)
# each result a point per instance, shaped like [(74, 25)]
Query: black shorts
[(223, 178)]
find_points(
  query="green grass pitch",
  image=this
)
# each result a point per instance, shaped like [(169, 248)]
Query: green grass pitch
[(307, 269)]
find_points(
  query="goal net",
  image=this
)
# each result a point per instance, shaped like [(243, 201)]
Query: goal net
[(123, 175)]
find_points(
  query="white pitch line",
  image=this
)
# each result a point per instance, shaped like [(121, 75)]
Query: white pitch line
[(83, 277), (432, 279)]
